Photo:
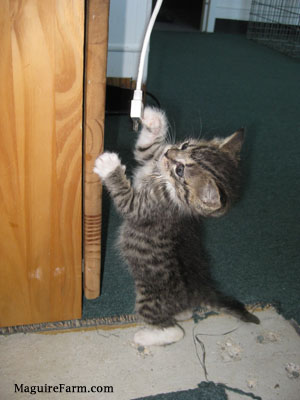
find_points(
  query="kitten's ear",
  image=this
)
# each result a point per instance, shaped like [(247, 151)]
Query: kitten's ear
[(209, 195), (233, 143)]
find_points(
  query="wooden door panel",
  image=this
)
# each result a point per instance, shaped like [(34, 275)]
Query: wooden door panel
[(41, 70)]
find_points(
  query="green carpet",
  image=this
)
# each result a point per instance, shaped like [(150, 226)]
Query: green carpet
[(212, 84), (204, 391)]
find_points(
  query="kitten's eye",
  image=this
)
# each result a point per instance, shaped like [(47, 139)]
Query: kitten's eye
[(184, 146), (179, 170)]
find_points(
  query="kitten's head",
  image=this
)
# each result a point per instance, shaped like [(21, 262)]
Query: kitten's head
[(203, 176)]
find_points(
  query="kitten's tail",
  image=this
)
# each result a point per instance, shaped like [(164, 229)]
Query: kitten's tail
[(230, 305)]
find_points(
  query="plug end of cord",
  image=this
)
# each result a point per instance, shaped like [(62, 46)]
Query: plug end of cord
[(136, 124), (137, 108)]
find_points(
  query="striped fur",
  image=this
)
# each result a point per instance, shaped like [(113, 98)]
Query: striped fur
[(159, 238)]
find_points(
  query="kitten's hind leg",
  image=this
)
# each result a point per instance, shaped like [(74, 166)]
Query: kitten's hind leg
[(162, 336), (161, 325), (152, 135), (158, 336)]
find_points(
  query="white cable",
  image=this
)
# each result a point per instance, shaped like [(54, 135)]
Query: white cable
[(137, 101), (146, 42)]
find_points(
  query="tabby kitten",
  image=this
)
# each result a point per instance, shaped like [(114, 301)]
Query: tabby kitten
[(172, 187)]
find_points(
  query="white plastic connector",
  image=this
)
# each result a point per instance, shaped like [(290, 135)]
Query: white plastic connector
[(137, 108)]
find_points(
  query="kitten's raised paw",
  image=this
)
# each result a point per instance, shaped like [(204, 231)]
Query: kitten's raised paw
[(106, 163), (158, 336), (154, 120)]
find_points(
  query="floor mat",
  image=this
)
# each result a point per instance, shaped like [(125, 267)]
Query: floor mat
[(241, 360), (205, 391)]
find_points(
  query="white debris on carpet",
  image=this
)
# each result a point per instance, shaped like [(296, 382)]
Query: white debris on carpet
[(261, 359)]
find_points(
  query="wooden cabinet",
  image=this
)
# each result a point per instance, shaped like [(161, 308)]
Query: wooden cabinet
[(43, 169)]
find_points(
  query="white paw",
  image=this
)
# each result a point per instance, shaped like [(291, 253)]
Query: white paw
[(158, 337), (106, 163), (154, 124), (155, 120)]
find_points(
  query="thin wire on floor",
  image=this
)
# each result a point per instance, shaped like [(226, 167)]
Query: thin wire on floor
[(201, 355)]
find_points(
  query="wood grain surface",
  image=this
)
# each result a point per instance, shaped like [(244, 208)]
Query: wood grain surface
[(95, 86), (41, 73)]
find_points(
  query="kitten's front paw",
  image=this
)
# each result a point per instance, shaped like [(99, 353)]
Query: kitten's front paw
[(154, 120), (106, 163)]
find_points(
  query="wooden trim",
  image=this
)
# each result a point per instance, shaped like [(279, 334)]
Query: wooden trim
[(95, 84), (126, 83)]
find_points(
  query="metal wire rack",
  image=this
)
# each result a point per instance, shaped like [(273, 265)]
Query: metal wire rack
[(276, 23)]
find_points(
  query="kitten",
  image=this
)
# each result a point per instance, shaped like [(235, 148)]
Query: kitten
[(172, 187)]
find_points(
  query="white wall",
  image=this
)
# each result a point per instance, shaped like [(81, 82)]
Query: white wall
[(225, 9), (240, 10), (128, 21)]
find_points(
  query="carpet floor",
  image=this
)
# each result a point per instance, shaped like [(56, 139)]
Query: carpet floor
[(242, 362), (211, 85)]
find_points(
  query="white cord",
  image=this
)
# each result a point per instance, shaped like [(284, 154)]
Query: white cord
[(136, 110), (146, 42)]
